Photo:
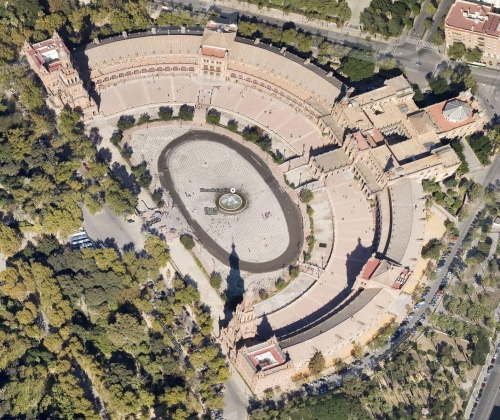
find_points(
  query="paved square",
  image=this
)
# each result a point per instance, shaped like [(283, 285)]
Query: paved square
[(259, 232)]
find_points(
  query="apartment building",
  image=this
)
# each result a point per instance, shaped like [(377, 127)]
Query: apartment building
[(475, 25)]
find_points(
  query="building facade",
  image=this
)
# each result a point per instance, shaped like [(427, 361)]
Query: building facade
[(475, 25)]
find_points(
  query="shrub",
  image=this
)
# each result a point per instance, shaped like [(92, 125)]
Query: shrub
[(294, 272), (306, 195), (216, 281), (143, 119), (232, 125)]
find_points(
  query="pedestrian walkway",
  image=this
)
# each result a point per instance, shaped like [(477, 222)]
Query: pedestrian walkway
[(185, 263), (420, 43)]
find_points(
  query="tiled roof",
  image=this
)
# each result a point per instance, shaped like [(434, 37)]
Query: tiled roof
[(436, 112), (474, 17)]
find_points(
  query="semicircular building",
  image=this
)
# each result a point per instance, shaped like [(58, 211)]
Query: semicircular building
[(378, 144)]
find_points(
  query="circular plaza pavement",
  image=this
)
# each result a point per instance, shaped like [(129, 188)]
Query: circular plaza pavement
[(197, 168)]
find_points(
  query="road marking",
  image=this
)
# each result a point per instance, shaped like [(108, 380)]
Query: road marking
[(420, 43)]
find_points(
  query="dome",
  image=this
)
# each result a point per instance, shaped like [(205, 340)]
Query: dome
[(62, 53), (457, 111)]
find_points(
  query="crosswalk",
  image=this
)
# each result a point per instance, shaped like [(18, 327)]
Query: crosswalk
[(419, 42)]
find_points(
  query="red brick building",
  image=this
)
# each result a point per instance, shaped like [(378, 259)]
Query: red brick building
[(475, 25)]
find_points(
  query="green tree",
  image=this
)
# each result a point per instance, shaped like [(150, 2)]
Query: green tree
[(232, 125), (158, 249), (317, 362), (125, 122), (213, 117), (144, 119), (303, 42), (431, 8), (165, 113), (186, 112), (456, 51), (473, 55), (358, 66), (438, 37), (247, 29), (188, 242), (288, 36), (432, 249), (10, 241)]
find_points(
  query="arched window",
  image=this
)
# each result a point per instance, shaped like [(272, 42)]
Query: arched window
[(191, 68), (144, 70), (121, 75), (114, 76), (233, 75), (99, 81), (106, 79), (159, 68), (183, 68), (176, 68), (136, 71)]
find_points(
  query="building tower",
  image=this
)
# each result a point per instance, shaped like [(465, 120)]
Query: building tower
[(51, 61), (242, 325)]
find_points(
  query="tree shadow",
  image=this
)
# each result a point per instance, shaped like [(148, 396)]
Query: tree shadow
[(128, 180), (104, 155), (94, 137), (129, 247)]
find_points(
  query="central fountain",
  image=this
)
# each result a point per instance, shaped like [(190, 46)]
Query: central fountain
[(231, 202)]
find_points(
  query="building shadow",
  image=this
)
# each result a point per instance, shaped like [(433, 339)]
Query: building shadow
[(355, 261), (264, 329), (235, 287)]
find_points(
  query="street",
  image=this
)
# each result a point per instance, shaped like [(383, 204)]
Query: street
[(491, 396)]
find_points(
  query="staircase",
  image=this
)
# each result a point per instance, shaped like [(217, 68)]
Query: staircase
[(200, 115)]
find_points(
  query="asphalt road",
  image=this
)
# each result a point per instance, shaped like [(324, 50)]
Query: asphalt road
[(289, 207), (490, 396), (105, 226)]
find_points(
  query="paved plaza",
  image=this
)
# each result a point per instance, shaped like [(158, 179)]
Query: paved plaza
[(265, 236), (258, 232)]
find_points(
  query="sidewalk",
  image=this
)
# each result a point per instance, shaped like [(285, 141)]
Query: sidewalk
[(243, 7), (188, 268)]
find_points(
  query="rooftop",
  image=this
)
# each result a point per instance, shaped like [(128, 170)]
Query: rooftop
[(266, 358), (457, 111), (439, 111), (46, 53), (474, 17)]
